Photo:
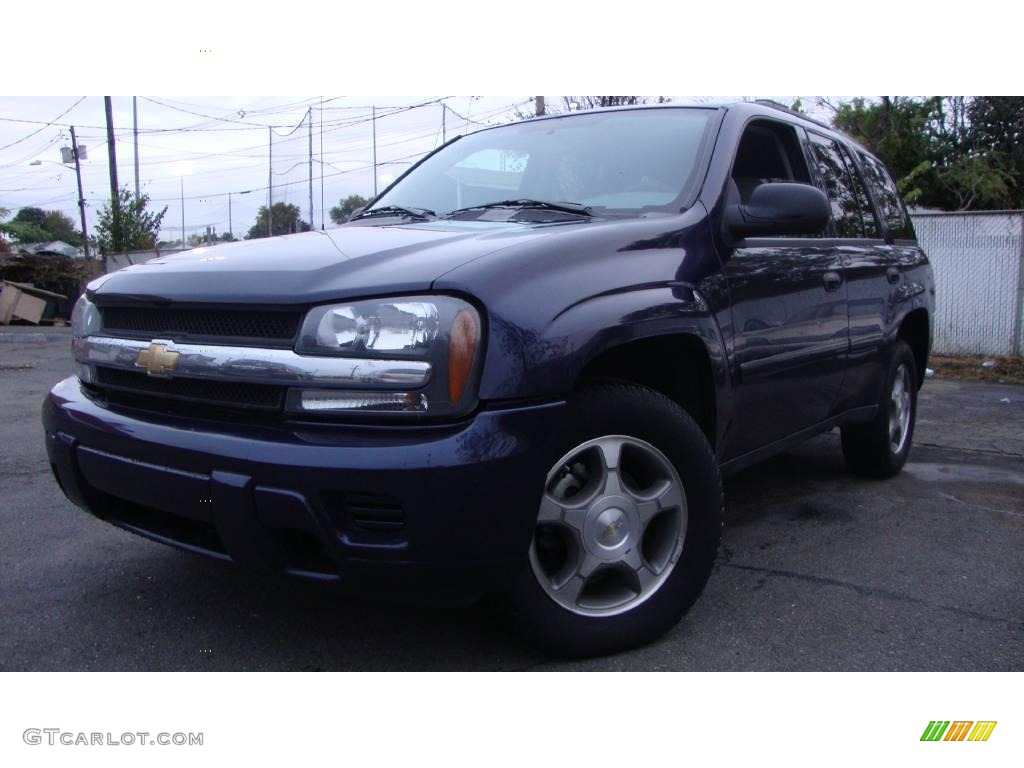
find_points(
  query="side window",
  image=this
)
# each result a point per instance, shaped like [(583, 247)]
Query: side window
[(889, 203), (846, 215), (768, 151), (863, 199)]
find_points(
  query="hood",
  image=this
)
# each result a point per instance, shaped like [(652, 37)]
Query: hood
[(317, 266)]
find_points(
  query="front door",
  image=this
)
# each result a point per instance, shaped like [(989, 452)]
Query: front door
[(790, 336), (790, 326)]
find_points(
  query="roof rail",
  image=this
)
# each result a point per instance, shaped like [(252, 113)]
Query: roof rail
[(783, 108)]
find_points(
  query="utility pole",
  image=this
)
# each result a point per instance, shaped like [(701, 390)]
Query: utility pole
[(231, 229), (309, 114), (135, 139), (270, 182), (183, 213), (373, 122), (444, 130), (115, 206), (81, 197), (538, 106)]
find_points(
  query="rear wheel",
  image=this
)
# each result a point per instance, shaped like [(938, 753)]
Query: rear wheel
[(628, 526), (880, 447)]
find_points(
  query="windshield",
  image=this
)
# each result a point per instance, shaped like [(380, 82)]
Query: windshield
[(613, 162)]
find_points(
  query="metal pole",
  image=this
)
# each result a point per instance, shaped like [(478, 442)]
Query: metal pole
[(115, 204), (183, 213), (135, 133), (373, 121), (1018, 336), (81, 196), (231, 229), (444, 130), (270, 182), (309, 114), (322, 206), (538, 106)]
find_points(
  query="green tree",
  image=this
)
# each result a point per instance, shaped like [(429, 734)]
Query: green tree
[(127, 224), (34, 216), (897, 130), (62, 227), (947, 152), (344, 209), (27, 226), (34, 225), (997, 133), (286, 220)]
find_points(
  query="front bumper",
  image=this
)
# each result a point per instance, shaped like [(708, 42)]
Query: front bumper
[(454, 504)]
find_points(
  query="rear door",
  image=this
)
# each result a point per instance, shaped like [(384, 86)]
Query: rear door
[(878, 280), (857, 242)]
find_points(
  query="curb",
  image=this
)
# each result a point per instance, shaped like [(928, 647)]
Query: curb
[(32, 338)]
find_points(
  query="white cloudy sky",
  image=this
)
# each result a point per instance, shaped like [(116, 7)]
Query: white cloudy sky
[(215, 145)]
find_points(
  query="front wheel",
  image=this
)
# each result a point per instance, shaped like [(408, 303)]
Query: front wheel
[(628, 526)]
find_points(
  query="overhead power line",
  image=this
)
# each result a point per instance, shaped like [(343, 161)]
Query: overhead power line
[(199, 114), (47, 125)]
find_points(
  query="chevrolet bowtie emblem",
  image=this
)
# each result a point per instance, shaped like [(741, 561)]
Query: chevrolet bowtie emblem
[(157, 359), (611, 531)]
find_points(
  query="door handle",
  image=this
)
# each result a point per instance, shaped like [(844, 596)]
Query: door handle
[(892, 274), (832, 281)]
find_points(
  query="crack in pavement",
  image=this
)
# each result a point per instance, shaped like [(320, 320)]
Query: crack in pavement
[(875, 592), (960, 449), (983, 508)]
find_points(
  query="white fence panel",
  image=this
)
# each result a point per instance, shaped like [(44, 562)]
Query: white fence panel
[(116, 261), (977, 259)]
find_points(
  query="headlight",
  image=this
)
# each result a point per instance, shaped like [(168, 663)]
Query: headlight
[(440, 330), (85, 318), (85, 321)]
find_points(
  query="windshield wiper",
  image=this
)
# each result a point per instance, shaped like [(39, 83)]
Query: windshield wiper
[(564, 207), (423, 214)]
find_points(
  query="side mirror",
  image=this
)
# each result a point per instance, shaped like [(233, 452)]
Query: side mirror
[(780, 208)]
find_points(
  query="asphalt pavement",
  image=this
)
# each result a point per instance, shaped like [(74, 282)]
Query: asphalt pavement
[(819, 570)]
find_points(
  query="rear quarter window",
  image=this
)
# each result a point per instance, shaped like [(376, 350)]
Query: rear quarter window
[(890, 206), (847, 217)]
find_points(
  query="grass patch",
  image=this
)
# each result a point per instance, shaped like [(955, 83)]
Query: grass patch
[(1006, 369)]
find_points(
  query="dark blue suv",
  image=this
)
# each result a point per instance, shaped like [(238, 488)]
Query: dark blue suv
[(520, 371)]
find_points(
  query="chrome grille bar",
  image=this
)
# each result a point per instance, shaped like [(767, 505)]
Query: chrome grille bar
[(253, 365)]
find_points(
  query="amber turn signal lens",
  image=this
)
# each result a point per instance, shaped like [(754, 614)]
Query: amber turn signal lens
[(461, 350)]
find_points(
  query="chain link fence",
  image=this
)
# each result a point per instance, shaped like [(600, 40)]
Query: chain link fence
[(978, 259)]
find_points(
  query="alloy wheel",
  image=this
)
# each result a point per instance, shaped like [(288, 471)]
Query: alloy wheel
[(611, 526), (899, 409)]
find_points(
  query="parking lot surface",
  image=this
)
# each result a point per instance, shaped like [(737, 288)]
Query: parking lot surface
[(819, 570)]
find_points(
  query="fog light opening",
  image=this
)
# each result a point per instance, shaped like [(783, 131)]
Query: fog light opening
[(326, 400)]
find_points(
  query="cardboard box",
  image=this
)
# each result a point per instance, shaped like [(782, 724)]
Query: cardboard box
[(19, 301)]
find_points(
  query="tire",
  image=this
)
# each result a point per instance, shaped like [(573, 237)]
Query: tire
[(880, 447), (654, 521)]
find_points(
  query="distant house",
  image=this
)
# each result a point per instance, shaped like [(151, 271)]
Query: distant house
[(56, 247)]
